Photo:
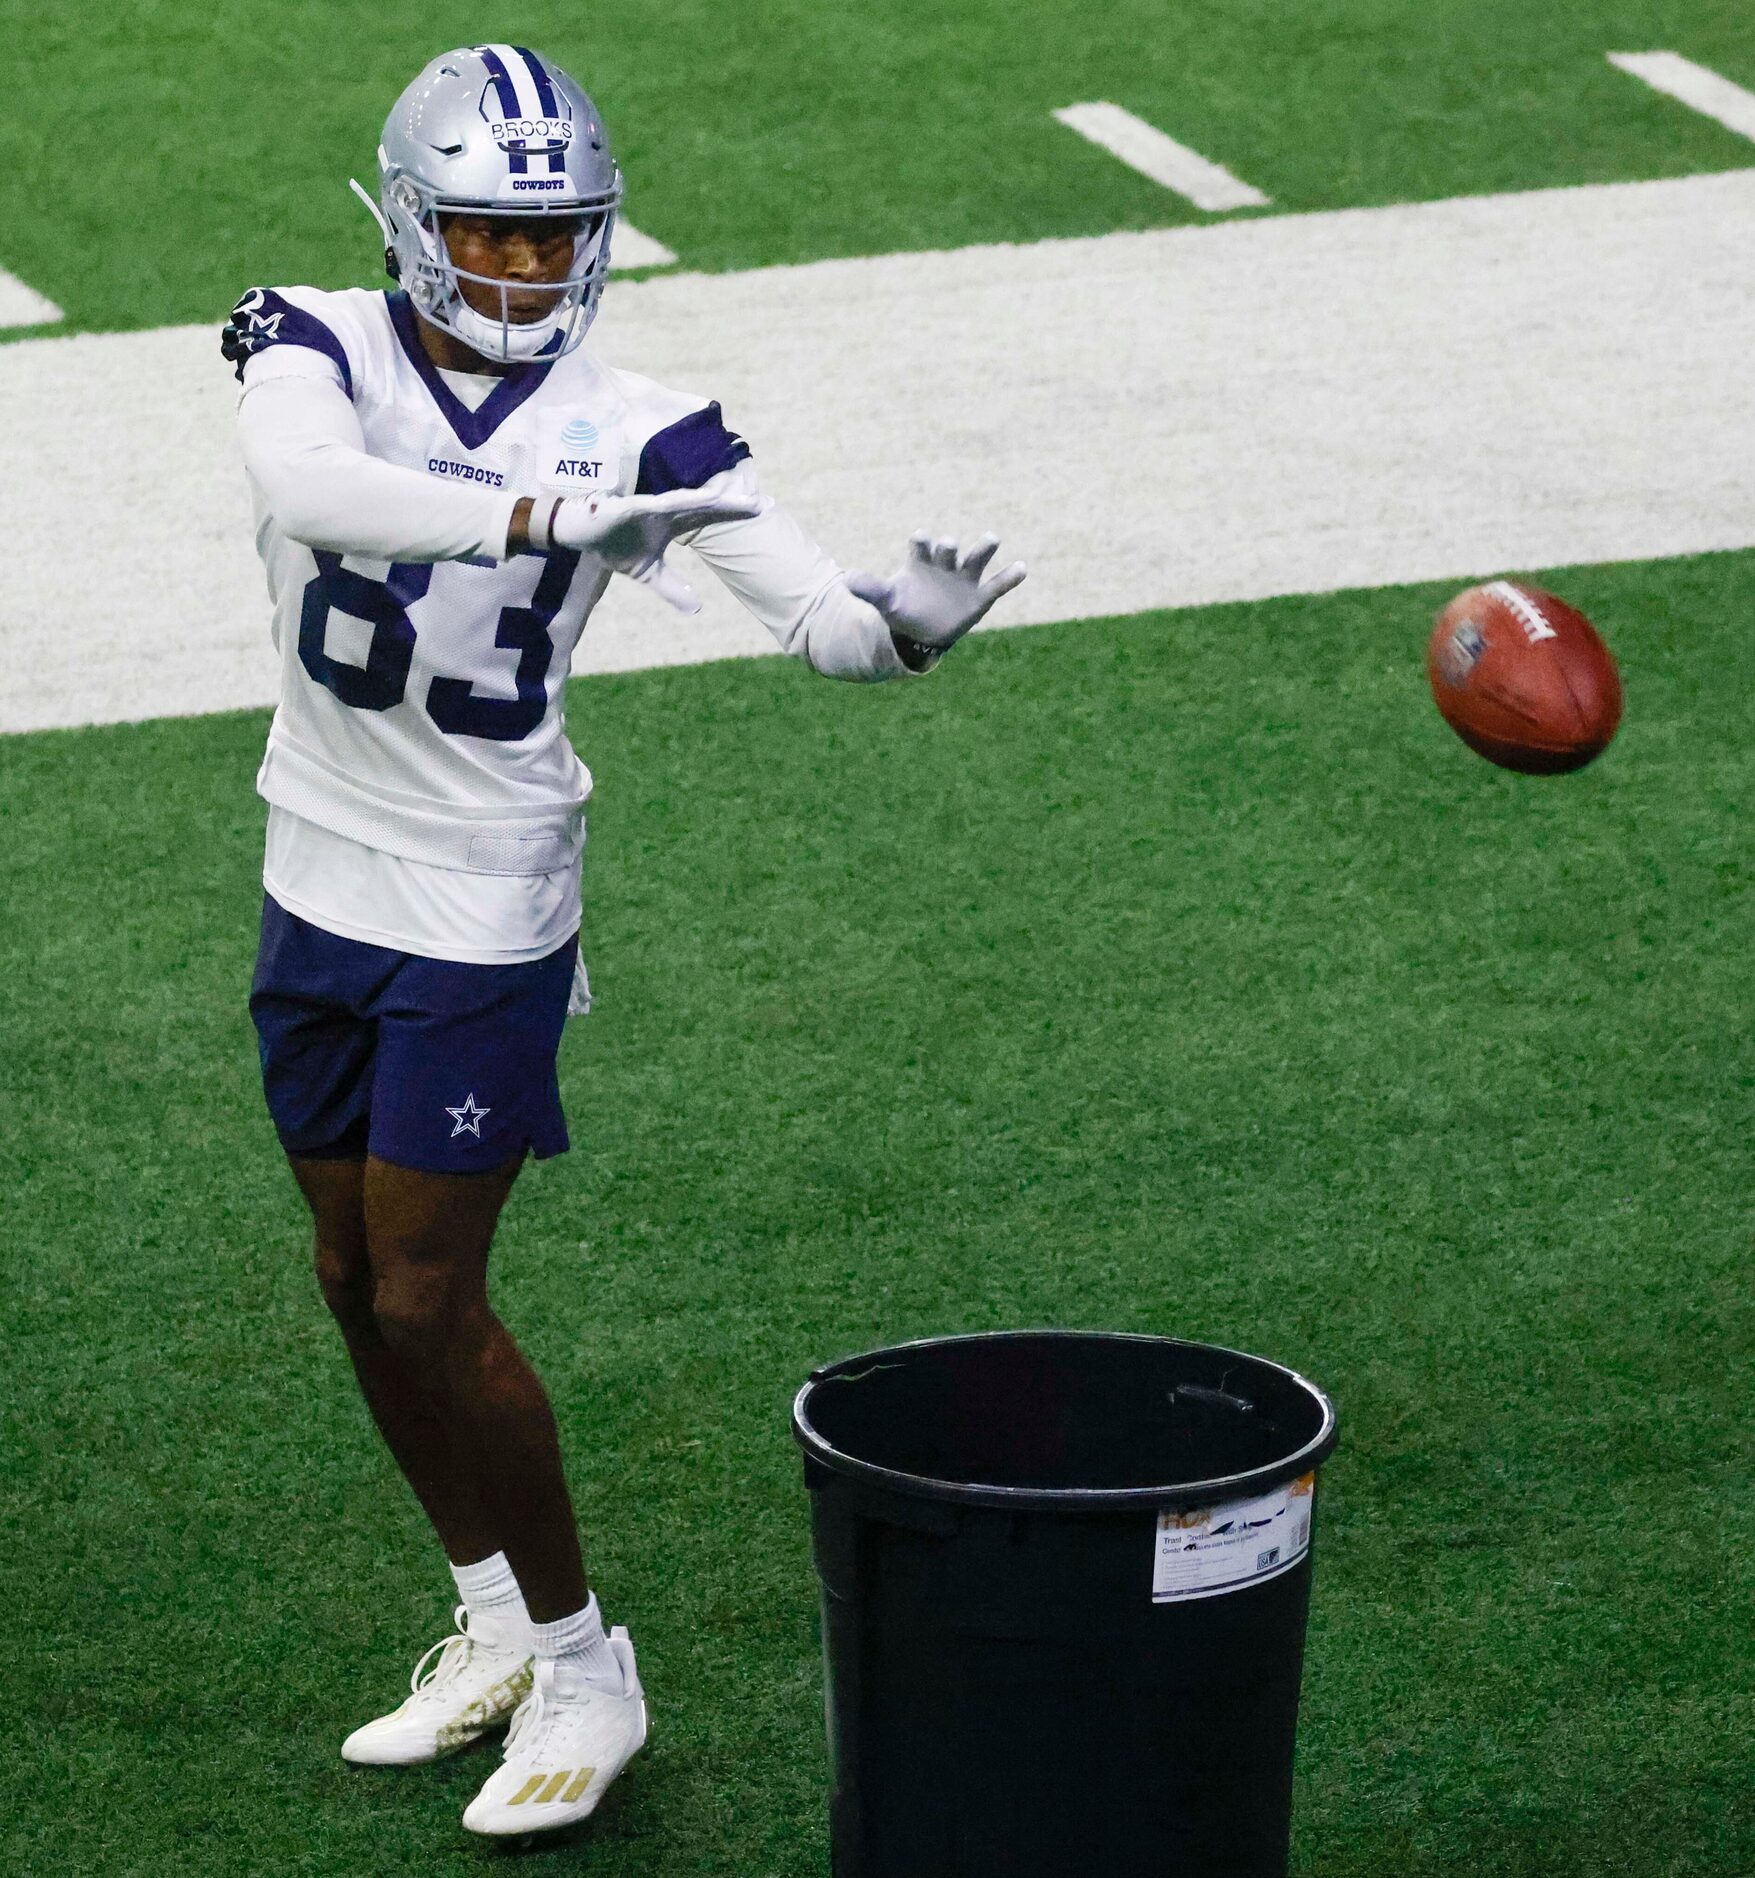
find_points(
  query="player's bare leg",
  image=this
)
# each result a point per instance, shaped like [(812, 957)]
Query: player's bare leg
[(444, 1481), (428, 1237), (483, 1670)]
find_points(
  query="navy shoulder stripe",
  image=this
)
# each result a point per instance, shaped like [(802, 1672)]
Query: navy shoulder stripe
[(687, 453), (264, 318)]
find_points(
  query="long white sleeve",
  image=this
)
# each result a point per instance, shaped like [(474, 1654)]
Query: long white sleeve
[(781, 576), (306, 453)]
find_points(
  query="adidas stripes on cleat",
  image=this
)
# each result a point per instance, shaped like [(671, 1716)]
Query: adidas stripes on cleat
[(568, 1742)]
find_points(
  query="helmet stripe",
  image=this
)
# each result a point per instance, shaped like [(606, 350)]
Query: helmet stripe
[(544, 90), (506, 90)]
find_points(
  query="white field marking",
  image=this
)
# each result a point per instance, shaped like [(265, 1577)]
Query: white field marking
[(24, 306), (1143, 147), (1230, 411), (1696, 86), (629, 248)]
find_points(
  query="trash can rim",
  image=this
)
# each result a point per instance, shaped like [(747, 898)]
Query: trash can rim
[(1185, 1494)]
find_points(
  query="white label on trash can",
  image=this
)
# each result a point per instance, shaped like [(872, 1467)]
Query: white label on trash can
[(1208, 1550)]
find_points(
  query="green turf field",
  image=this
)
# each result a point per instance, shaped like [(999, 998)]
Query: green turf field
[(1143, 974), (1178, 974), (816, 127)]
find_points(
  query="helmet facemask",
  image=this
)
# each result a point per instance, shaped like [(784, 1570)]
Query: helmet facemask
[(416, 242)]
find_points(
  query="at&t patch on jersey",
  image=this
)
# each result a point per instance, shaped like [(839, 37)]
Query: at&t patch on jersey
[(577, 451)]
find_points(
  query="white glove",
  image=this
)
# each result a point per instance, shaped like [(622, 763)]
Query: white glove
[(934, 597), (630, 533)]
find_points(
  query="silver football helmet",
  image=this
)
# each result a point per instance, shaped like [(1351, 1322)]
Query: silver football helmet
[(495, 130)]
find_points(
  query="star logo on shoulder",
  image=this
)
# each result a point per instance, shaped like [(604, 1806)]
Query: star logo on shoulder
[(467, 1117), (248, 328)]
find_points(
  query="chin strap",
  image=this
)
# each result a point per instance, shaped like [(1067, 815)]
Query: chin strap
[(494, 339)]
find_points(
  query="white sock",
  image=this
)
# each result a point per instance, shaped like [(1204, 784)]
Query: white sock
[(488, 1589), (579, 1642)]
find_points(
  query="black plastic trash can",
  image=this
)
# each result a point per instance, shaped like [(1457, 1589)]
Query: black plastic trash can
[(1065, 1580)]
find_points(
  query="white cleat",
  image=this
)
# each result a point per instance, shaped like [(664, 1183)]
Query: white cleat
[(482, 1675), (568, 1742)]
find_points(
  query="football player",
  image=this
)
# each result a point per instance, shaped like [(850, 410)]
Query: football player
[(445, 482)]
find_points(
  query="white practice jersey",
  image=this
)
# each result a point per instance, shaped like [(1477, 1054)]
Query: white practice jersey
[(422, 669)]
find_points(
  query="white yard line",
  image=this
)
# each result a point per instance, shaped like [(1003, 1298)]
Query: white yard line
[(629, 248), (1696, 86), (1172, 165), (24, 306), (1290, 404)]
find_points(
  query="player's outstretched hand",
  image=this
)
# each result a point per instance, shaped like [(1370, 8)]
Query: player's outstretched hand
[(937, 594), (630, 533)]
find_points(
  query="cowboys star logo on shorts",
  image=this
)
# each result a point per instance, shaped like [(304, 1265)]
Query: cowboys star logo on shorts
[(467, 1117)]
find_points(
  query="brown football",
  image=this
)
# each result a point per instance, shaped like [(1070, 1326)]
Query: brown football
[(1523, 678)]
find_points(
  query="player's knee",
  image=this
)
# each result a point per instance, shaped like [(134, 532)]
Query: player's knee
[(345, 1279), (417, 1319)]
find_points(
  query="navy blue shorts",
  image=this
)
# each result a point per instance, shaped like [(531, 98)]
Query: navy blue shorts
[(433, 1065)]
